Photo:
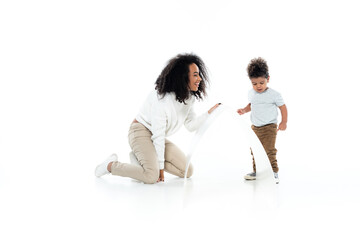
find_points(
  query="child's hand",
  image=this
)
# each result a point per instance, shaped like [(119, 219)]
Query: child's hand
[(241, 111), (282, 126)]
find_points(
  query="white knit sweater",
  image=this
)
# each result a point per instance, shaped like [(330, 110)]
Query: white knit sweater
[(164, 116)]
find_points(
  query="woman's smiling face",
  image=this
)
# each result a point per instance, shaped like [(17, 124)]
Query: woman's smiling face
[(194, 77)]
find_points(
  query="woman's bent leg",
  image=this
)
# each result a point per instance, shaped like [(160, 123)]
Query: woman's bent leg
[(175, 160), (144, 150)]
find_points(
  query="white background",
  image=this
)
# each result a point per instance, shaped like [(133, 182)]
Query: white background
[(73, 75)]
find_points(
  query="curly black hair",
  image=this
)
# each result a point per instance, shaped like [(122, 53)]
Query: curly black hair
[(258, 68), (174, 78)]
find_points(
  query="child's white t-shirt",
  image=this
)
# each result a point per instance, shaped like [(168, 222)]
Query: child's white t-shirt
[(264, 106)]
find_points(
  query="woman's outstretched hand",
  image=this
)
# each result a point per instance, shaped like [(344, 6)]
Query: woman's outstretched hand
[(214, 107), (161, 176)]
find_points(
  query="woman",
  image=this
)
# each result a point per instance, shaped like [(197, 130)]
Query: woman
[(165, 110)]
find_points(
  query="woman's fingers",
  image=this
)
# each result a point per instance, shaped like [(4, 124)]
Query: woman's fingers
[(214, 107)]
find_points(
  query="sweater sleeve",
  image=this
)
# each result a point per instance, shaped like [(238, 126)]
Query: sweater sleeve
[(192, 122), (158, 122)]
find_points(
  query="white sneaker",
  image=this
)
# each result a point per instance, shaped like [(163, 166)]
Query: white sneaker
[(276, 176), (133, 159), (101, 169), (250, 176)]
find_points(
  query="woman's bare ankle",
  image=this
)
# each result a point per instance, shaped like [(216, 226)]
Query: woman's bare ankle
[(109, 166)]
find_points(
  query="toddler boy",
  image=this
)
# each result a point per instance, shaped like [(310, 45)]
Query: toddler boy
[(263, 105)]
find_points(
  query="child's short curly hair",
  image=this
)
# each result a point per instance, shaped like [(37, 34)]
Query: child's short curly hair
[(258, 68)]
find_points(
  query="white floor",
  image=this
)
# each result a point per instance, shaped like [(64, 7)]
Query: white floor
[(82, 206), (68, 202)]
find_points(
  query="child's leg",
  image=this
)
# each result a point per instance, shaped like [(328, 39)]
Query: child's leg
[(269, 146), (267, 136), (175, 160), (253, 158)]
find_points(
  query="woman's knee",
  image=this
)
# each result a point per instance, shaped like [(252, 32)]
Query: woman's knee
[(151, 176), (190, 171)]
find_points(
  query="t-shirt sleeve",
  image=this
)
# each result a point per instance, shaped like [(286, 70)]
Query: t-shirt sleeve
[(251, 95), (279, 101)]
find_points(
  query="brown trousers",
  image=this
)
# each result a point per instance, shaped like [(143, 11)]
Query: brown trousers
[(267, 137)]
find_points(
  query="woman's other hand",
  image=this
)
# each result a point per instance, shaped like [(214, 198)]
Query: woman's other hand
[(161, 176)]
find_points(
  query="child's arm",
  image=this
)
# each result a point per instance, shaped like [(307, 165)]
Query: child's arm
[(244, 110), (282, 125)]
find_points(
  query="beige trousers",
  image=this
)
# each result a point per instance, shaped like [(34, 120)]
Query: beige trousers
[(144, 150)]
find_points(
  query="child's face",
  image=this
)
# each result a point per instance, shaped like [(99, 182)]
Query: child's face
[(260, 84)]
